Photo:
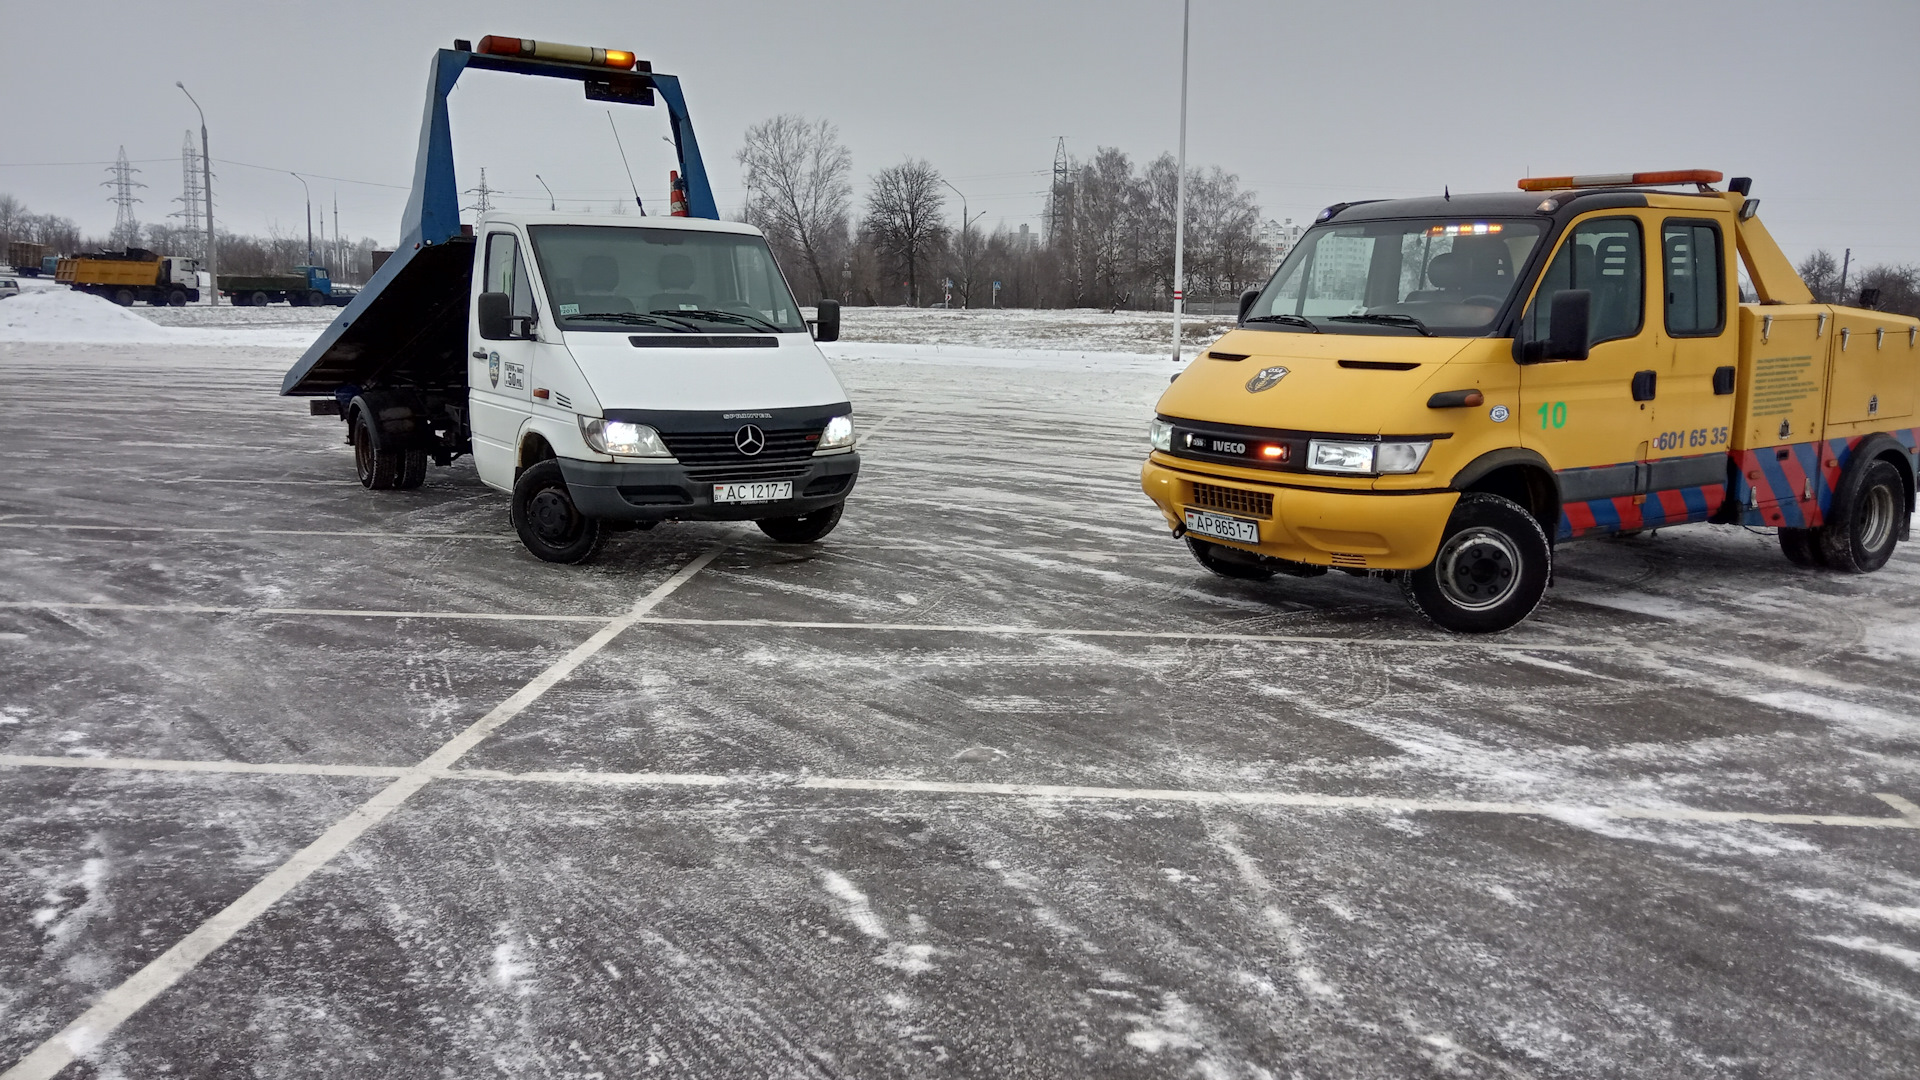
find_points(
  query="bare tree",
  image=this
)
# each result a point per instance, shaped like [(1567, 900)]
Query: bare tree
[(12, 214), (1821, 272), (903, 217), (798, 191)]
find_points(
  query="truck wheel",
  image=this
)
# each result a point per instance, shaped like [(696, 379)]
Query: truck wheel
[(802, 530), (1213, 558), (1802, 547), (1863, 524), (177, 298), (316, 299), (548, 523), (1491, 570), (378, 468), (123, 297), (258, 299), (413, 470)]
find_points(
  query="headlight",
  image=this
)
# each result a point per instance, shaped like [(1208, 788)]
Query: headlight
[(621, 439), (1353, 457), (1160, 434), (838, 434), (1401, 457), (1343, 457)]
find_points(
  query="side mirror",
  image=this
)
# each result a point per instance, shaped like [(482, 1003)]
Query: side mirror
[(1569, 328), (826, 323), (1246, 302), (495, 311)]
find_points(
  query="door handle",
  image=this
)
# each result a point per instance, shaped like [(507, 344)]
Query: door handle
[(1643, 385), (479, 354)]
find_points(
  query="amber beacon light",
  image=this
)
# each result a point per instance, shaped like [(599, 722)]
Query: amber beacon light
[(618, 59), (1676, 176)]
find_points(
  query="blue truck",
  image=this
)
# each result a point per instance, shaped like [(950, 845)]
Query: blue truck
[(303, 286)]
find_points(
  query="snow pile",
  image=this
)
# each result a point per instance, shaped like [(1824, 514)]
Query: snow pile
[(65, 315)]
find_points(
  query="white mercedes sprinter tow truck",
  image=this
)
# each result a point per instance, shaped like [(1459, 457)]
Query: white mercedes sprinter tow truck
[(607, 371)]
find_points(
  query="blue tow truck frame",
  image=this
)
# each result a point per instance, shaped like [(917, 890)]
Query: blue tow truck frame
[(406, 328)]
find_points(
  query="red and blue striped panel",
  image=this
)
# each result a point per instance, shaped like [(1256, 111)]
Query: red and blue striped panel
[(1792, 486), (1629, 513)]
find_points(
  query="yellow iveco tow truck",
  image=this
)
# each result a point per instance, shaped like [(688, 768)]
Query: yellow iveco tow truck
[(1440, 389)]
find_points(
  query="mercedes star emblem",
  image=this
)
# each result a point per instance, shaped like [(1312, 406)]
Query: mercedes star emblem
[(750, 440), (1266, 379)]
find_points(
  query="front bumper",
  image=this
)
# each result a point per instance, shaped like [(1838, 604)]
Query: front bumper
[(1349, 529), (633, 491)]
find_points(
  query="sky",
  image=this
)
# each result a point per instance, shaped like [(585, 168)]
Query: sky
[(1308, 103)]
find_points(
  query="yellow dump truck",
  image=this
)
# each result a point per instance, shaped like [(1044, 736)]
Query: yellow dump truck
[(1440, 390), (135, 274)]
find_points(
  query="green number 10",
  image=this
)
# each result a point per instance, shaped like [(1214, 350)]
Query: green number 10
[(1553, 414)]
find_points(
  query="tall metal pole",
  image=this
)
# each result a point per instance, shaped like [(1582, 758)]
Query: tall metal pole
[(543, 183), (309, 191), (964, 226), (206, 176), (1180, 190)]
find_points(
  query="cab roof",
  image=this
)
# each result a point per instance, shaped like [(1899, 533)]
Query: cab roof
[(629, 221), (1504, 204)]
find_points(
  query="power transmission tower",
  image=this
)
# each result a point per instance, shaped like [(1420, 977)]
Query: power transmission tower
[(126, 228), (1062, 177), (193, 196), (483, 201)]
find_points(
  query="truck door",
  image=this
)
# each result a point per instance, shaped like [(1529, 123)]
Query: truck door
[(497, 380), (1581, 415), (1692, 408)]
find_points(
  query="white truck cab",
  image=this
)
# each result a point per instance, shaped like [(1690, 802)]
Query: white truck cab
[(629, 370)]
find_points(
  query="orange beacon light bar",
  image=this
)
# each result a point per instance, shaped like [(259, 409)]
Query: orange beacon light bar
[(1677, 176), (618, 59)]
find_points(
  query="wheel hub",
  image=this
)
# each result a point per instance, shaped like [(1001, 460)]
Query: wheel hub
[(552, 515), (1479, 568), (1876, 518)]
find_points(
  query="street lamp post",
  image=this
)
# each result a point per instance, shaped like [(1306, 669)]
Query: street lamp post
[(309, 191), (206, 181), (965, 224), (1180, 191), (543, 184)]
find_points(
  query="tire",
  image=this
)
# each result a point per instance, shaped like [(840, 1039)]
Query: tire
[(1491, 570), (413, 470), (379, 468), (316, 299), (1802, 547), (1863, 523), (123, 297), (548, 523), (258, 299), (1207, 555), (805, 529), (177, 298)]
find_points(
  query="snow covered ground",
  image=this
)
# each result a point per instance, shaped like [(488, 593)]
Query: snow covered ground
[(994, 781)]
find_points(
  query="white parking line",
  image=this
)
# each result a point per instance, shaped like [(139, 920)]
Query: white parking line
[(114, 1007), (355, 533), (327, 613), (439, 767), (775, 624)]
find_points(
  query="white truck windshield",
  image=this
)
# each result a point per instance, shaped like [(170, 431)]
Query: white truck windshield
[(610, 277), (1447, 277)]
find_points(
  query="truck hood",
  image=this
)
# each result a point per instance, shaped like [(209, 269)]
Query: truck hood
[(792, 375), (1346, 383)]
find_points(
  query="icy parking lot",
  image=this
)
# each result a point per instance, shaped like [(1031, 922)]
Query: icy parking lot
[(303, 780)]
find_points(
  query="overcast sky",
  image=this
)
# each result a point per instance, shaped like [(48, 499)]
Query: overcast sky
[(1310, 103)]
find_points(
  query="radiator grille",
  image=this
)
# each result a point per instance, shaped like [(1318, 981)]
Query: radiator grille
[(1341, 558), (1233, 500), (695, 448)]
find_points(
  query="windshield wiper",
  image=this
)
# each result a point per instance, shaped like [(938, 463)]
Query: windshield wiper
[(1385, 319), (638, 319), (1289, 320), (735, 317)]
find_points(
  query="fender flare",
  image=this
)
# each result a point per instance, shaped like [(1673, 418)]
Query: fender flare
[(1508, 457)]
